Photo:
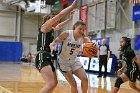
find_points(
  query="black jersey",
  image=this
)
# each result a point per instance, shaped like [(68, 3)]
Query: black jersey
[(44, 40), (128, 54)]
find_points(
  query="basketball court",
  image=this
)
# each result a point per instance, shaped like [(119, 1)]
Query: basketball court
[(20, 21), (24, 78)]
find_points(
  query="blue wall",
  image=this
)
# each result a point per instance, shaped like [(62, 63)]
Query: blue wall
[(136, 12), (99, 40), (10, 51), (137, 43)]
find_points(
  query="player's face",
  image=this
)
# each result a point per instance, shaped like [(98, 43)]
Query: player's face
[(80, 30), (122, 42), (103, 41)]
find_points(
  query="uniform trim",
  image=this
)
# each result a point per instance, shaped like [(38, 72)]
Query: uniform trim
[(41, 60), (43, 41), (61, 48), (132, 71), (60, 68)]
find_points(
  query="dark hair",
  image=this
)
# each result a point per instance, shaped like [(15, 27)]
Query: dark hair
[(46, 17), (127, 40), (80, 22)]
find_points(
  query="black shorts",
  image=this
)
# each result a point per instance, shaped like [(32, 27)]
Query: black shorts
[(43, 59), (103, 58), (132, 74)]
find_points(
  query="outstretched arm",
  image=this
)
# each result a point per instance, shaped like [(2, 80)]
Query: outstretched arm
[(120, 71), (123, 67), (62, 24), (86, 39), (48, 24), (60, 38)]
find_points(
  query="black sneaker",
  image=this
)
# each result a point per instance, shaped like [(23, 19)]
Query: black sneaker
[(105, 76), (99, 76)]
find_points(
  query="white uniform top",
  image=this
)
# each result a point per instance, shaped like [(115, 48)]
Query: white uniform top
[(70, 47)]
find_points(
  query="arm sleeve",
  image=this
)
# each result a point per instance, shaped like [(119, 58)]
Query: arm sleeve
[(99, 47), (108, 49), (131, 54)]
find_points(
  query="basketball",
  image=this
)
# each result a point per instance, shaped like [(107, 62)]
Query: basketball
[(89, 50)]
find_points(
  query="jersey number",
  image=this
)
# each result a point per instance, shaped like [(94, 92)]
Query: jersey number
[(71, 51)]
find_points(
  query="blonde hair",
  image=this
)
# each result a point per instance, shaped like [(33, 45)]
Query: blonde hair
[(80, 22)]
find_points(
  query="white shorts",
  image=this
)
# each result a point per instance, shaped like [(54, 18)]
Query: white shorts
[(69, 65)]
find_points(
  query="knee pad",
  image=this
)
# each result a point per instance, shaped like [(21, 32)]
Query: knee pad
[(118, 82)]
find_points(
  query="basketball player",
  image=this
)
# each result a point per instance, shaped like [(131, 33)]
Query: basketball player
[(43, 59), (68, 62), (132, 66)]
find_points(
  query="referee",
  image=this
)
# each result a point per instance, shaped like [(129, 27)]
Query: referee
[(103, 56)]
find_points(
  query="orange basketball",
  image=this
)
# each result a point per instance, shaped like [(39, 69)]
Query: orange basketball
[(89, 50)]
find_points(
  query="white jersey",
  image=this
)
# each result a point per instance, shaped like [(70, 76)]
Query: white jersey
[(70, 47)]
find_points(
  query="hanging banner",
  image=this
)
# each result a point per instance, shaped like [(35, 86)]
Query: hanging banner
[(84, 13), (137, 43), (64, 2), (57, 5), (75, 16), (111, 13), (71, 1), (100, 16), (136, 12), (92, 18)]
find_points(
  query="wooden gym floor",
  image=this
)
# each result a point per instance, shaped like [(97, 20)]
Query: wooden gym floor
[(24, 78)]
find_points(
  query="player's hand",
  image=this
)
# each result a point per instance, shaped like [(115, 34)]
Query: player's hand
[(84, 44), (107, 58), (120, 71), (52, 47), (71, 14), (94, 44)]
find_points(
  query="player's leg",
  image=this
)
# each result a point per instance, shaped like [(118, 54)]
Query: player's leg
[(81, 74), (50, 79), (133, 77), (133, 86), (105, 66), (100, 68), (71, 80), (47, 70), (123, 78)]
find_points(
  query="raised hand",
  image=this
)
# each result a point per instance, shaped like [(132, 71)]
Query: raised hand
[(71, 14), (74, 3), (52, 47)]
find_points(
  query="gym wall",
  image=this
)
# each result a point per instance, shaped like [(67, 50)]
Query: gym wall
[(28, 31)]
